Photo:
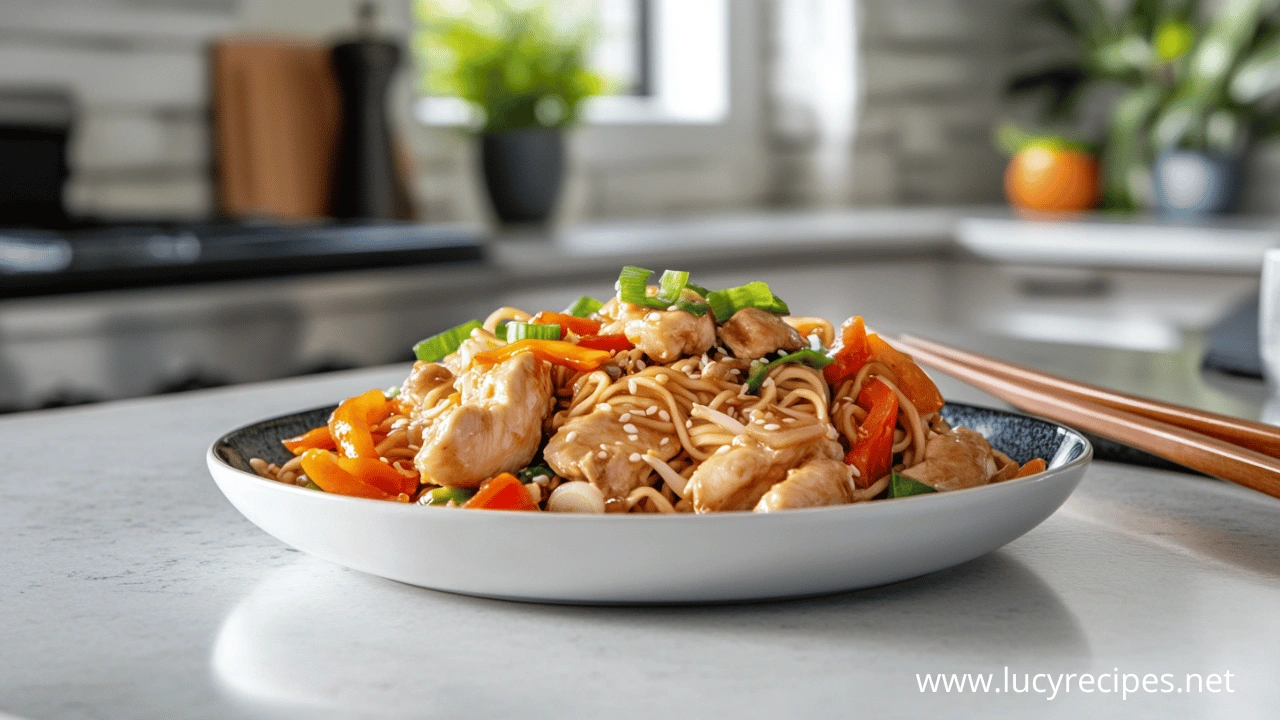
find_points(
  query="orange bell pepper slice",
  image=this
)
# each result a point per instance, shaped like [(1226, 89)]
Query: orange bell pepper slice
[(1033, 466), (579, 326), (610, 343), (322, 467), (350, 424), (912, 381), (872, 453), (319, 438), (556, 352), (503, 492), (854, 352), (372, 471)]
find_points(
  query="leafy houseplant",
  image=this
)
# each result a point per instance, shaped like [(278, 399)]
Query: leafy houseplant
[(1184, 84), (522, 67)]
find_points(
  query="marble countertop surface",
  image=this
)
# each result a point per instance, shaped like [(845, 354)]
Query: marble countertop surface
[(132, 589)]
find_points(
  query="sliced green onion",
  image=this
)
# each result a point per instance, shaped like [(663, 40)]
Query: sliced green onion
[(500, 330), (312, 486), (517, 331), (760, 370), (437, 347), (697, 288), (528, 474), (584, 307), (724, 303), (671, 284), (633, 286), (391, 392), (902, 486), (693, 307), (442, 496)]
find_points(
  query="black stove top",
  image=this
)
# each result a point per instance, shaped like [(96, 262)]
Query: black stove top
[(101, 257)]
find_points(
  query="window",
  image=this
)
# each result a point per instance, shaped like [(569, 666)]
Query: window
[(668, 61)]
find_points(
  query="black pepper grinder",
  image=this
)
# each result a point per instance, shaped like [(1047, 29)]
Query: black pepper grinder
[(365, 183)]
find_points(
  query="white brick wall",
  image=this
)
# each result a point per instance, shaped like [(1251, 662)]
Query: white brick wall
[(931, 73)]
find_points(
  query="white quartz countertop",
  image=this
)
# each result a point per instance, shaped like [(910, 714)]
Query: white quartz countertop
[(132, 589)]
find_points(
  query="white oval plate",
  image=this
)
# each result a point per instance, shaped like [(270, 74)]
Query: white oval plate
[(563, 558)]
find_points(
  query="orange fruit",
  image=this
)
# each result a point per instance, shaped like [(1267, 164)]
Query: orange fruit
[(1050, 177)]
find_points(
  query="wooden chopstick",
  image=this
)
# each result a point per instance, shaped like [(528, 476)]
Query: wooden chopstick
[(1245, 433), (1192, 449)]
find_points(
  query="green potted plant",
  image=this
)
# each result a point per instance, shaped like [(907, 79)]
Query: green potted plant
[(1191, 93), (523, 68)]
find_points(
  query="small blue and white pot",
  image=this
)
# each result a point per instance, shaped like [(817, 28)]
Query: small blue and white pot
[(1192, 183)]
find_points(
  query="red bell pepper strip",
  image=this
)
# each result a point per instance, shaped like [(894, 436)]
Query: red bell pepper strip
[(503, 492), (912, 381), (350, 424), (556, 352), (853, 353), (872, 452), (372, 471), (321, 466), (579, 326), (314, 438), (610, 343)]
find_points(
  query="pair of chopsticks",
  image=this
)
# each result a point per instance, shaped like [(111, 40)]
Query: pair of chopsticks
[(1239, 451)]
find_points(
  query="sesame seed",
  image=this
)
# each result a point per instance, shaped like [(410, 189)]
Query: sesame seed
[(541, 479), (772, 426), (723, 449), (695, 376), (603, 446), (665, 441), (634, 457), (788, 420), (631, 386), (602, 454), (624, 417), (735, 371), (653, 316), (630, 428), (661, 377), (688, 423), (617, 442), (633, 438), (651, 410), (664, 414), (640, 365), (604, 407), (571, 436)]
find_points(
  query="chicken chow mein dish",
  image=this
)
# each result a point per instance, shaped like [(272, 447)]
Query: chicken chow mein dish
[(667, 398)]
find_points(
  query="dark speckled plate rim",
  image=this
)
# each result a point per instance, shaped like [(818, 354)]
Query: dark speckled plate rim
[(1063, 432)]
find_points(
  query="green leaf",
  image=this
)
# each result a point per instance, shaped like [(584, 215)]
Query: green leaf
[(442, 496), (517, 331), (724, 303), (816, 359), (901, 486), (1258, 75)]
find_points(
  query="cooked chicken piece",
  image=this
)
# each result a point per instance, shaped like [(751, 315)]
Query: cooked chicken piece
[(495, 428), (736, 477), (424, 378), (663, 335), (952, 461), (598, 447), (753, 333), (813, 484)]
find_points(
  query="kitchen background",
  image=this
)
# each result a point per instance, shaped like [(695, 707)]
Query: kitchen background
[(851, 141)]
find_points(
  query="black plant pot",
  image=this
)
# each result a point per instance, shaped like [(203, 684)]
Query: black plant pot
[(523, 170)]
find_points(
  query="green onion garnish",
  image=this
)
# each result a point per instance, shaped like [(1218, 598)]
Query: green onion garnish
[(902, 486), (671, 284), (693, 307), (633, 285), (517, 331), (442, 496), (528, 474), (760, 370), (724, 303), (437, 347), (391, 392), (311, 485), (584, 307), (697, 288), (500, 330)]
